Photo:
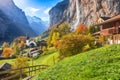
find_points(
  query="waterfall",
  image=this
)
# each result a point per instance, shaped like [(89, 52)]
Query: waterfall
[(77, 15)]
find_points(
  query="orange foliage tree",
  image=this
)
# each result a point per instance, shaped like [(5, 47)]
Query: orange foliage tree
[(21, 44), (7, 52), (56, 43), (81, 29)]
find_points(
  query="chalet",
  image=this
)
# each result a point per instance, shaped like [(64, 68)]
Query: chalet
[(111, 29)]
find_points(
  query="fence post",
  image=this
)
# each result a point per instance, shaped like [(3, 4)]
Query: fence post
[(35, 70), (20, 73), (39, 68), (29, 71)]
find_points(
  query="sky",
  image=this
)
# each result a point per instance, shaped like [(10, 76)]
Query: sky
[(39, 8)]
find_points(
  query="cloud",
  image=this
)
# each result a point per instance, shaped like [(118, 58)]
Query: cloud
[(31, 11), (47, 11), (34, 10)]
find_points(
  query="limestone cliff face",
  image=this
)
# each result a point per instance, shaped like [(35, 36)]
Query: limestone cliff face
[(57, 12), (87, 11)]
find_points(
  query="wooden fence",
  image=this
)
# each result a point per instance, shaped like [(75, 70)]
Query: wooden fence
[(19, 73)]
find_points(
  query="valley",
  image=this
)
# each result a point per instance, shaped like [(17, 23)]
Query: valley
[(60, 40)]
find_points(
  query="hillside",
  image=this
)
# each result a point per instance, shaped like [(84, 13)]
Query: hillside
[(98, 64)]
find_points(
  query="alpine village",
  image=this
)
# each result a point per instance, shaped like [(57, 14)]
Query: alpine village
[(59, 39)]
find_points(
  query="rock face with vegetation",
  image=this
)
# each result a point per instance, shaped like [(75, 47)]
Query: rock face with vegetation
[(13, 22), (84, 11)]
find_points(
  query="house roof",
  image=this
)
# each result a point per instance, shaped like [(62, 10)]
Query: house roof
[(105, 18), (5, 66), (116, 18)]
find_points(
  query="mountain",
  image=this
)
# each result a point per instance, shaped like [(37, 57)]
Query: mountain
[(83, 11), (13, 22), (57, 12), (37, 24)]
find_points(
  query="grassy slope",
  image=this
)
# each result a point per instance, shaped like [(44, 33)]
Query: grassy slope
[(98, 64), (43, 59), (11, 61), (47, 59)]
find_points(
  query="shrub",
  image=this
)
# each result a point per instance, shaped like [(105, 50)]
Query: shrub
[(72, 44), (20, 62)]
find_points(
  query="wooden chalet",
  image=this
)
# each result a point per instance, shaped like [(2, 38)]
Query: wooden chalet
[(111, 29)]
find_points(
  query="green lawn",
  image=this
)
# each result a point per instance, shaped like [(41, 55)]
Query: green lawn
[(98, 64)]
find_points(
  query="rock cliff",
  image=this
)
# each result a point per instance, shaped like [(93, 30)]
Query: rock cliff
[(57, 12), (84, 11), (13, 22)]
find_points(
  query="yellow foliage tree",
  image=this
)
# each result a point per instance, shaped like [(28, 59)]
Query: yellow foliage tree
[(55, 36), (21, 62)]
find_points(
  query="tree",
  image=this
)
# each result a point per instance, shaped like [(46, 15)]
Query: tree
[(16, 50), (73, 44), (7, 52), (93, 29), (57, 33), (21, 62), (56, 43), (53, 36), (81, 29), (64, 29), (5, 44)]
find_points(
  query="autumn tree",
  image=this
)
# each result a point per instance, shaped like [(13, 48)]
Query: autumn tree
[(53, 36), (5, 44), (57, 33), (20, 62), (81, 29), (7, 52), (56, 43), (64, 29), (16, 49), (73, 44)]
